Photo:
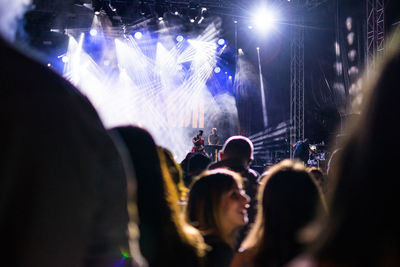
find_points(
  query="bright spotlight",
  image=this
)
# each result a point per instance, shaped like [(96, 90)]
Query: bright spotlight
[(221, 41), (250, 27), (191, 20), (160, 18), (138, 35), (93, 32), (179, 38), (65, 59), (264, 19), (217, 70), (230, 77)]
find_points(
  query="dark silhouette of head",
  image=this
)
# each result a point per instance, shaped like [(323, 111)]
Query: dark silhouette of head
[(63, 184), (160, 221), (238, 148), (198, 163), (364, 227), (288, 201)]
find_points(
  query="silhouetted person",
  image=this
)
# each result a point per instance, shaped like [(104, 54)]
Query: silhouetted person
[(288, 200), (363, 226), (165, 237), (63, 185), (301, 151), (197, 164)]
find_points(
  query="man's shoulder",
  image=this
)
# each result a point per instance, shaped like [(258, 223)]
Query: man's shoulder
[(216, 165)]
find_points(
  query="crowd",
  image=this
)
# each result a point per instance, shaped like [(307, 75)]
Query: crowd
[(75, 194)]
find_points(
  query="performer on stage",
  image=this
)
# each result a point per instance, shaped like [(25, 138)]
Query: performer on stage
[(302, 150), (213, 139), (198, 142)]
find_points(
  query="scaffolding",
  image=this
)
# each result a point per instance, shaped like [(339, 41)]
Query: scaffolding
[(375, 29), (297, 83)]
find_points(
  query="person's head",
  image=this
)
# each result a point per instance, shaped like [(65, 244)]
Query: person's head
[(160, 220), (287, 201), (200, 133), (217, 204), (238, 147), (363, 227), (214, 131), (10, 13), (198, 163)]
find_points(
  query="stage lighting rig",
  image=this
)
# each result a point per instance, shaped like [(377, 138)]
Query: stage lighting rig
[(105, 6), (160, 10), (97, 6)]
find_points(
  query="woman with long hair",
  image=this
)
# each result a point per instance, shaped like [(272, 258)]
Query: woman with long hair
[(217, 206), (288, 198), (165, 237), (363, 227)]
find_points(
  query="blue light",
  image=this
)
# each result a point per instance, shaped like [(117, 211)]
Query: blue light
[(179, 38), (217, 70), (93, 32), (221, 41), (138, 35)]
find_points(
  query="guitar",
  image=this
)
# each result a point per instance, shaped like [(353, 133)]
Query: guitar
[(198, 144)]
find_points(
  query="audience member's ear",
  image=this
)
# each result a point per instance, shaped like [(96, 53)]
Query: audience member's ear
[(222, 155)]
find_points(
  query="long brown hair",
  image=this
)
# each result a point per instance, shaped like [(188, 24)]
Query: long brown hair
[(165, 238), (287, 201), (363, 229)]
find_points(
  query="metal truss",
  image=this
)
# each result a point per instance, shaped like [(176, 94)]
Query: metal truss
[(297, 84), (375, 28)]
